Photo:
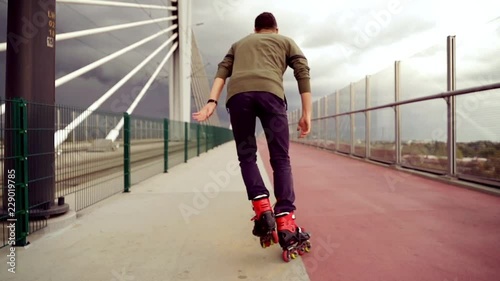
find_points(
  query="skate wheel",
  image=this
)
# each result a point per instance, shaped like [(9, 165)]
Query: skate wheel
[(286, 256), (307, 247), (301, 251), (265, 244), (294, 254), (275, 237)]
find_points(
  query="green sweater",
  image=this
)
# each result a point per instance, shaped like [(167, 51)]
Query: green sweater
[(258, 61)]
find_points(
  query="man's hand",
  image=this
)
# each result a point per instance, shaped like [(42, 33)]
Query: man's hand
[(209, 108), (205, 112), (304, 126)]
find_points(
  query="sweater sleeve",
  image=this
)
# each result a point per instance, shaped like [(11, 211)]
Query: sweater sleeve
[(298, 62), (225, 67)]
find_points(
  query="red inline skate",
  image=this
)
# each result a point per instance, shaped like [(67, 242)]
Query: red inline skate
[(265, 224), (293, 240)]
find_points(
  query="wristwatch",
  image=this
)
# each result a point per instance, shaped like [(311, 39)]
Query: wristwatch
[(212, 100)]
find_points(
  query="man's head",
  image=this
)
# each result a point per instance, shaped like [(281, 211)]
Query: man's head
[(266, 22)]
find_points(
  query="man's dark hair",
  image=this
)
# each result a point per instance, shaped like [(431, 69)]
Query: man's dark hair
[(265, 21)]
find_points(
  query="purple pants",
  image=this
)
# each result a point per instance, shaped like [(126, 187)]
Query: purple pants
[(244, 108)]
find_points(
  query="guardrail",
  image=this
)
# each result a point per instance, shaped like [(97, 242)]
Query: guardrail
[(396, 119), (88, 167)]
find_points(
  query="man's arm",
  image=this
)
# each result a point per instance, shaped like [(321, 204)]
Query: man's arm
[(304, 126), (217, 88), (225, 69), (223, 72), (209, 108), (298, 62), (306, 99)]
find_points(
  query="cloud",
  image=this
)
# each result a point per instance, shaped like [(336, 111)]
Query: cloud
[(76, 53), (343, 40), (340, 41)]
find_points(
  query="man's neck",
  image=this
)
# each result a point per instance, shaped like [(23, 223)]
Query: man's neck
[(266, 31)]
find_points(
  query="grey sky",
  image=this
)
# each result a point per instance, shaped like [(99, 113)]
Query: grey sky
[(347, 40), (76, 53), (343, 40)]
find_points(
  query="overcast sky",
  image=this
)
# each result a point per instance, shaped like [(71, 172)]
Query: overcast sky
[(343, 40), (346, 40)]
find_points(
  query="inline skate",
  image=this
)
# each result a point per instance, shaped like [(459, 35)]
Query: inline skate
[(265, 224), (293, 240)]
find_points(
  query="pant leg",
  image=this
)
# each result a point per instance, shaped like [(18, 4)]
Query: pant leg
[(272, 113), (243, 117)]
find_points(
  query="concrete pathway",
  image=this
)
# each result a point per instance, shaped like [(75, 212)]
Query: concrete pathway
[(368, 223), (372, 223), (192, 223)]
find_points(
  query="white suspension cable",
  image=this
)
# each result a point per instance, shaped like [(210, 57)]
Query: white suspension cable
[(102, 61), (81, 33), (89, 67), (117, 4), (62, 135), (113, 134)]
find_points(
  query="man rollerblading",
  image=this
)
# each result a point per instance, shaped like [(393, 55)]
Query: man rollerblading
[(255, 65)]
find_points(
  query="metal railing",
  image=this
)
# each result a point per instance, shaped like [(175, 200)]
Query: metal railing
[(88, 168), (96, 153), (73, 171), (370, 119)]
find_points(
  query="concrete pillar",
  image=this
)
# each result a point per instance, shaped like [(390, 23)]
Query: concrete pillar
[(180, 72), (30, 65)]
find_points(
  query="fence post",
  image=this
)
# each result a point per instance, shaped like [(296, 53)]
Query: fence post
[(18, 178), (352, 120), (198, 139), (368, 122), (126, 151), (214, 137), (165, 145), (324, 123), (397, 114), (185, 142), (451, 107), (206, 138), (337, 121)]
